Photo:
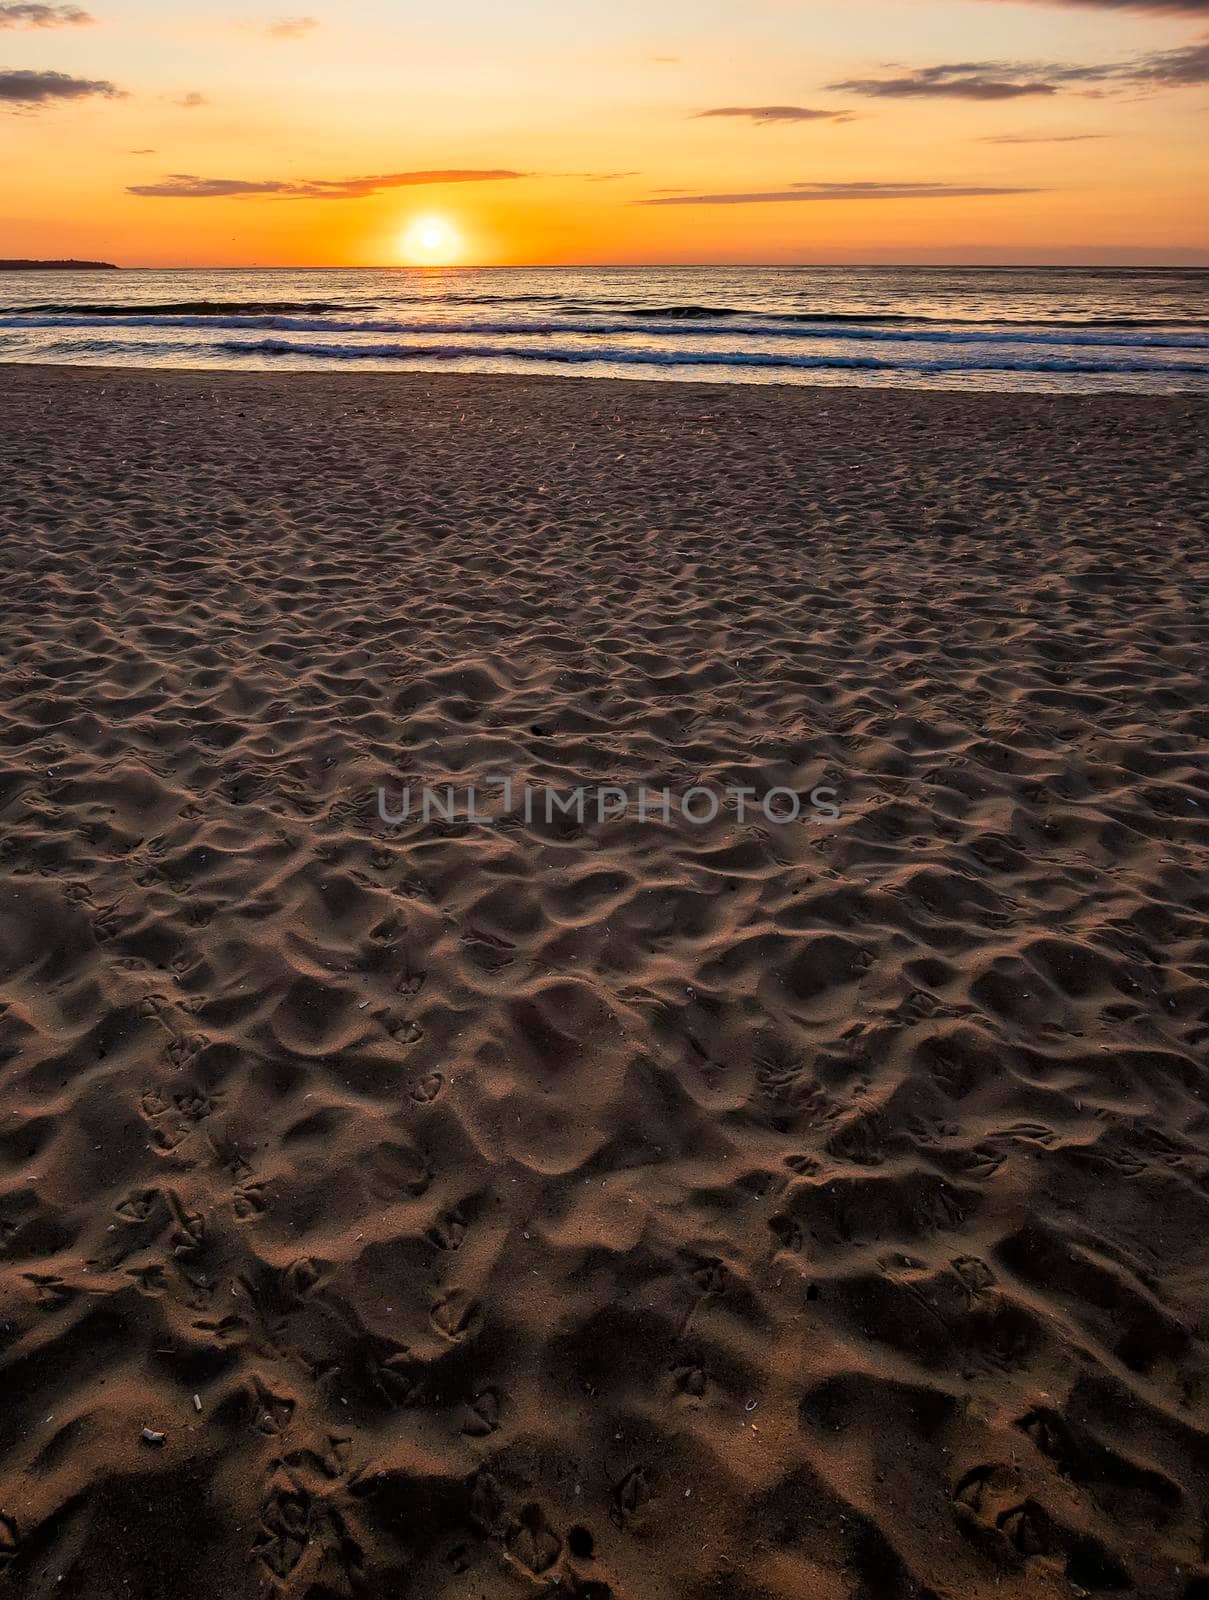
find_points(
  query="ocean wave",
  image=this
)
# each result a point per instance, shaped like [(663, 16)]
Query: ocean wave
[(666, 358), (1002, 322), (906, 319), (217, 311), (691, 313), (453, 298), (1107, 338), (183, 308), (220, 308)]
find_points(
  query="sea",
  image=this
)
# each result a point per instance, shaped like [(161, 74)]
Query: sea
[(1055, 329)]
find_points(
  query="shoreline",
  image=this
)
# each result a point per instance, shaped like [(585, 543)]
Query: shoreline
[(652, 385)]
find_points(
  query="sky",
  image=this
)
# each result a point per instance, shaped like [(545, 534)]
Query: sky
[(514, 132)]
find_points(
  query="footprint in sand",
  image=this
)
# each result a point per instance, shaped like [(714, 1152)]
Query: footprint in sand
[(630, 1495), (250, 1202), (532, 1542), (404, 1031), (455, 1315), (10, 1541), (481, 1415), (286, 1525)]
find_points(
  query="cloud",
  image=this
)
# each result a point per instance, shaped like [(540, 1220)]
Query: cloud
[(968, 80), (15, 14), (840, 191), (1185, 68), (590, 177), (1039, 138), (187, 186), (18, 88), (191, 100), (291, 27), (778, 114), (1185, 8), (1006, 80)]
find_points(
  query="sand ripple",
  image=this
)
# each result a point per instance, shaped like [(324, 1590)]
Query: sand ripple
[(618, 1209)]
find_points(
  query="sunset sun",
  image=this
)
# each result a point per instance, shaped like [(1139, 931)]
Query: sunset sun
[(431, 241)]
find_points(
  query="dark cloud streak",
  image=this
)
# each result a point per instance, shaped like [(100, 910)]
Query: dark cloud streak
[(1174, 69), (1039, 138), (966, 80), (1175, 8), (22, 88), (1182, 68), (19, 14), (188, 186), (777, 114), (841, 191)]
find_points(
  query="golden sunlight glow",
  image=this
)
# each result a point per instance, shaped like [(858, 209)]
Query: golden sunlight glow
[(520, 147), (431, 241)]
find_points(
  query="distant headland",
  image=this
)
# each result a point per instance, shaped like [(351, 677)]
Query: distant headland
[(59, 266)]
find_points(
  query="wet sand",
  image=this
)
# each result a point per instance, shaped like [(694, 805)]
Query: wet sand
[(752, 1210)]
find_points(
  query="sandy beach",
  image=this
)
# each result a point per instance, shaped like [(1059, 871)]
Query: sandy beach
[(614, 1207)]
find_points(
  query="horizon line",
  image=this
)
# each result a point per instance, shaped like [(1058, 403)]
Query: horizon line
[(647, 266)]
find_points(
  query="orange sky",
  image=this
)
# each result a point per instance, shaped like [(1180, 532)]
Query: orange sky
[(717, 131)]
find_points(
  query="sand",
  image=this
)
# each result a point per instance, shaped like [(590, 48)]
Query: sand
[(622, 1208)]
